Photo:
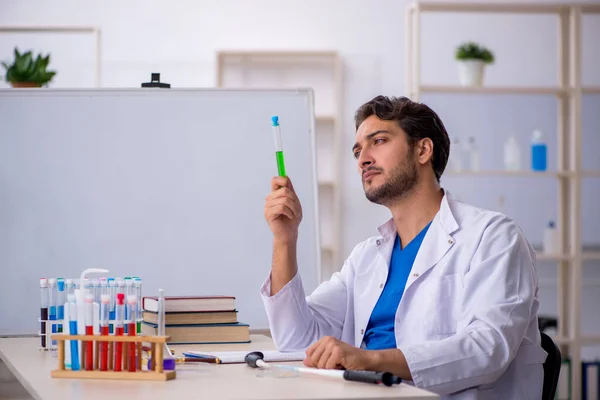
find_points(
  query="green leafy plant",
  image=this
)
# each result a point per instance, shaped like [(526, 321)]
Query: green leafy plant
[(26, 69), (474, 51)]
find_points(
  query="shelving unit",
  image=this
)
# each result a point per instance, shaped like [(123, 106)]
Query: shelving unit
[(94, 30), (322, 71), (569, 175)]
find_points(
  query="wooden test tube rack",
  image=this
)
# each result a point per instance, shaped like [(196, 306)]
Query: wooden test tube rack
[(155, 370)]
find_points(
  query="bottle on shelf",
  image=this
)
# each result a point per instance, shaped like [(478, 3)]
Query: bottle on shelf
[(512, 155), (550, 239), (539, 152), (455, 159), (472, 155)]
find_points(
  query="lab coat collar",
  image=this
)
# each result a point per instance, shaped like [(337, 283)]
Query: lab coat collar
[(444, 217), (437, 241)]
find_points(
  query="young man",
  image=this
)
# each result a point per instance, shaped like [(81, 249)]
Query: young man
[(445, 296)]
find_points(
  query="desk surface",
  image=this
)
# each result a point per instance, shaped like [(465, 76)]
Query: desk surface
[(226, 381)]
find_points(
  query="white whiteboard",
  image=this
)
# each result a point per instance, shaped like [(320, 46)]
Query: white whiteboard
[(165, 184)]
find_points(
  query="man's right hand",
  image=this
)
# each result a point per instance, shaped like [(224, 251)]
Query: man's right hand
[(283, 210)]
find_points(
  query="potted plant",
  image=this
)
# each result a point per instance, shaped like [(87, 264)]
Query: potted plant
[(472, 59), (25, 71)]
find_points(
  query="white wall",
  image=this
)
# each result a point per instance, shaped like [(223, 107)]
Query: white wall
[(179, 38)]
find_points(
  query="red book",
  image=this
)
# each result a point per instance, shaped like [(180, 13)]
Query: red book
[(190, 303)]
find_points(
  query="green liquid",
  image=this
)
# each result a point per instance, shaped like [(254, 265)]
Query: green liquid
[(138, 327), (280, 163)]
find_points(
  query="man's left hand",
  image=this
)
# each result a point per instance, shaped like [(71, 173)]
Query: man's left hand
[(331, 353)]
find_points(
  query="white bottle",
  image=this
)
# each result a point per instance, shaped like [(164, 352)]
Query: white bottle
[(456, 153), (472, 155), (512, 155), (550, 240)]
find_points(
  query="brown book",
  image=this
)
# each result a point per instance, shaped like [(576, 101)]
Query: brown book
[(202, 317), (190, 303), (201, 334)]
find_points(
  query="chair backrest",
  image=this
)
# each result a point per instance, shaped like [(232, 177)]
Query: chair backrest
[(552, 367)]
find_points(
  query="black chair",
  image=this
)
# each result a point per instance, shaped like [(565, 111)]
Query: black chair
[(551, 367)]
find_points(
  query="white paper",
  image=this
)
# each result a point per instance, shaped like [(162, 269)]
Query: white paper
[(229, 357)]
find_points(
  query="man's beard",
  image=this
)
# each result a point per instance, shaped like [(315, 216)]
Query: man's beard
[(402, 180)]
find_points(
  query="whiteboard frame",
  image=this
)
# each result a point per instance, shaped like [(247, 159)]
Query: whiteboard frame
[(141, 92)]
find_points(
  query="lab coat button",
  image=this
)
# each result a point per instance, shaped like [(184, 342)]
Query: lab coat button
[(381, 286), (450, 241), (378, 242), (415, 274), (362, 331)]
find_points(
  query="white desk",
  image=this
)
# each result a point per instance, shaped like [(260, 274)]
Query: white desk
[(225, 381)]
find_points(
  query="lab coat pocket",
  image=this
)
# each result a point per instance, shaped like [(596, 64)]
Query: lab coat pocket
[(443, 300)]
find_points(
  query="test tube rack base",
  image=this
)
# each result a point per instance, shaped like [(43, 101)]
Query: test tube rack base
[(155, 370)]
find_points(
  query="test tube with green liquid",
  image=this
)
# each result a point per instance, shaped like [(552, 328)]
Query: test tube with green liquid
[(278, 146)]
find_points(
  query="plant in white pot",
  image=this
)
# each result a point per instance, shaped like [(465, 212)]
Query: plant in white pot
[(472, 59)]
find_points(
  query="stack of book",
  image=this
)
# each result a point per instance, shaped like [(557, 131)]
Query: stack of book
[(196, 320)]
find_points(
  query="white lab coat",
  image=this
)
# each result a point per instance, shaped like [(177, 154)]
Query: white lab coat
[(467, 321)]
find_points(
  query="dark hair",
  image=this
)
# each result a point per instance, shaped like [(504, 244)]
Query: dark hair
[(416, 119)]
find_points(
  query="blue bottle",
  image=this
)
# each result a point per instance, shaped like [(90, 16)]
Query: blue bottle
[(539, 151)]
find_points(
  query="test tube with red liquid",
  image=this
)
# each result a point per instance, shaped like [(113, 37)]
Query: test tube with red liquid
[(131, 329), (89, 330), (104, 309), (120, 313)]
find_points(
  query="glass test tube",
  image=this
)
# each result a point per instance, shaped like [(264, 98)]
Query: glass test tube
[(131, 330), (70, 287), (89, 330), (112, 293), (104, 331), (43, 309), (73, 331), (52, 300), (60, 299), (120, 314), (138, 293), (129, 290)]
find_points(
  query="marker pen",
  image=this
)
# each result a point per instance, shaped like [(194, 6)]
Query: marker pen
[(278, 146), (131, 329), (52, 300), (120, 313), (104, 306), (89, 330), (61, 299), (43, 309), (73, 331)]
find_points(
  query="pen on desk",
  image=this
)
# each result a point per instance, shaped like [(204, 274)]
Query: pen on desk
[(188, 357), (43, 309)]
